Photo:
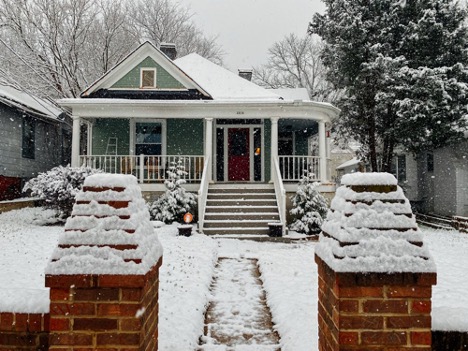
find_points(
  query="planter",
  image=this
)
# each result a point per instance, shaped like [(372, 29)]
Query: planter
[(185, 229), (275, 229)]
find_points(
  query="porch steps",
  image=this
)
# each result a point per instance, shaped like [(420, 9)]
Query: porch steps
[(240, 209)]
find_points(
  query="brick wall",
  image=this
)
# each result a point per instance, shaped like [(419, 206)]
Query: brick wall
[(374, 311), (104, 311), (24, 331)]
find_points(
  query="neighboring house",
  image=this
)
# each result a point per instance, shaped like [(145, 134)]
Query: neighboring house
[(33, 138), (232, 135), (436, 182)]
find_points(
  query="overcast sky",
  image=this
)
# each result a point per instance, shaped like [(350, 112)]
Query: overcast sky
[(247, 28)]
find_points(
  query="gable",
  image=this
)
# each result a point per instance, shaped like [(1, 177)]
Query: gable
[(123, 80), (164, 80)]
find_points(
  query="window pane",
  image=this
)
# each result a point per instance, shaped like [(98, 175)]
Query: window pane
[(147, 78), (29, 139), (148, 138)]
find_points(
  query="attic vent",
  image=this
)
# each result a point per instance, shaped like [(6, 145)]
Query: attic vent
[(245, 73), (169, 49)]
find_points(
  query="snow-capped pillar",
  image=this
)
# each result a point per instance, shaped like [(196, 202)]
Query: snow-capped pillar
[(375, 274), (274, 141), (322, 151), (209, 143), (75, 156)]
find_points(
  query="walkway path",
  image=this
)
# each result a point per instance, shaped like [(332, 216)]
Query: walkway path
[(238, 317)]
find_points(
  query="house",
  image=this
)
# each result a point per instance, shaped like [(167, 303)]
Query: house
[(241, 144), (437, 181), (34, 138)]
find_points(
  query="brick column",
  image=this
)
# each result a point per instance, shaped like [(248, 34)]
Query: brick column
[(375, 280), (104, 276)]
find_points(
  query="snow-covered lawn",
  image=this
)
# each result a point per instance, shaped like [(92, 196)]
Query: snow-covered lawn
[(288, 272)]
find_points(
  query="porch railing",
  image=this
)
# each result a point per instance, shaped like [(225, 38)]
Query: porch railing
[(292, 168), (203, 193), (148, 169), (280, 192)]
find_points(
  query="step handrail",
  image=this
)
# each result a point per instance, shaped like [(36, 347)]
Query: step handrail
[(203, 193), (280, 192)]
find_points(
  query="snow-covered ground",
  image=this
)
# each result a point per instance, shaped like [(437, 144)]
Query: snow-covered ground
[(288, 273)]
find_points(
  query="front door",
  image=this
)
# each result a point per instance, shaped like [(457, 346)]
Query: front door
[(239, 154)]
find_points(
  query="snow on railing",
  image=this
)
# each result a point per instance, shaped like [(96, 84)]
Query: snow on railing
[(280, 192), (203, 193), (153, 169), (293, 167)]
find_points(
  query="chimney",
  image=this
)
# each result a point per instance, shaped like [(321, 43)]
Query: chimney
[(245, 73), (169, 49)]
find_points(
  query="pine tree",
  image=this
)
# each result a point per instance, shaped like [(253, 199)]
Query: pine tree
[(309, 206), (176, 201), (403, 66)]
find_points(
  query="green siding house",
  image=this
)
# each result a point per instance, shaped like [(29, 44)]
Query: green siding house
[(149, 111)]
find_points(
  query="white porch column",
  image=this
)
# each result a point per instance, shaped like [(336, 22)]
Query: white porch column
[(75, 153), (274, 143), (209, 143), (322, 151)]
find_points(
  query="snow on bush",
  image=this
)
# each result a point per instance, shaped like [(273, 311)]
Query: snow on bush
[(309, 207), (59, 186), (176, 201)]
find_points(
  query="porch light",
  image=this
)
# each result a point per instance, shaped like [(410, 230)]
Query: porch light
[(257, 151), (188, 218)]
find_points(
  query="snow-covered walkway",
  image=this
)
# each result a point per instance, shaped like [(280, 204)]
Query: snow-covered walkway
[(238, 317)]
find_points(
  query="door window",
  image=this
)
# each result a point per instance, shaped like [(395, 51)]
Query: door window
[(148, 138)]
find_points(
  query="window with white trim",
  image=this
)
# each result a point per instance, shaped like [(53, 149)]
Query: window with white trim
[(148, 138), (148, 78)]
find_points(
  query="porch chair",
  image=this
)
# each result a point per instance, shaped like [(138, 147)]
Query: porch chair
[(152, 167)]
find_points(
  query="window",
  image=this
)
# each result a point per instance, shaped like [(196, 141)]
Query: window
[(29, 138), (399, 168), (148, 138), (148, 78), (430, 162)]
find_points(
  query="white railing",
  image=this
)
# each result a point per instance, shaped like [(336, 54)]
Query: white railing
[(145, 167), (280, 192), (203, 193), (293, 167)]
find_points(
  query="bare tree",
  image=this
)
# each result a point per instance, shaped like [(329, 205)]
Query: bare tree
[(164, 21), (58, 47), (295, 63)]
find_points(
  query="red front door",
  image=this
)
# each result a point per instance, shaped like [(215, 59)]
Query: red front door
[(238, 154)]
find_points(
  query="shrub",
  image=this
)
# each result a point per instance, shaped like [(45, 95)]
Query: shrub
[(309, 207), (176, 201), (59, 186)]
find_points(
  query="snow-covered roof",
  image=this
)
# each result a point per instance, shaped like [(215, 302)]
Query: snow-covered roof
[(28, 102), (353, 162), (221, 83), (370, 228), (291, 93)]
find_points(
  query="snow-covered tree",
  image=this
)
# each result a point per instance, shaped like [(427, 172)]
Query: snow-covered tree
[(309, 206), (59, 186), (403, 66), (295, 62), (176, 201)]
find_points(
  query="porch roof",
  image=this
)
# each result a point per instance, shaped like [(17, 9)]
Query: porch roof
[(125, 108)]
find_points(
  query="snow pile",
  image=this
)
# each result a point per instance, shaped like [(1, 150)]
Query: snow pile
[(371, 231), (92, 234)]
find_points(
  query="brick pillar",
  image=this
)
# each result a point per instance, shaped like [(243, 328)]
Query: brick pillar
[(375, 280), (104, 275)]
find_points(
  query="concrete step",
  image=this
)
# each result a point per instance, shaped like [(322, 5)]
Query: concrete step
[(241, 196), (235, 202), (248, 223), (239, 217), (238, 190), (241, 209), (236, 231)]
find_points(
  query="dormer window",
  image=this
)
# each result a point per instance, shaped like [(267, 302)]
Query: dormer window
[(148, 78)]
